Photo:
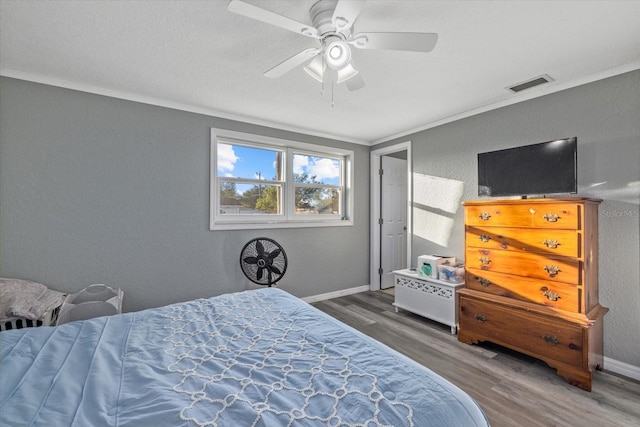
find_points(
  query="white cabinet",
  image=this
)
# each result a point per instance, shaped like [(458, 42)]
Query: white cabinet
[(430, 298)]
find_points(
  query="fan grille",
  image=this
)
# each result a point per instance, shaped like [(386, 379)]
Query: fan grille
[(263, 261)]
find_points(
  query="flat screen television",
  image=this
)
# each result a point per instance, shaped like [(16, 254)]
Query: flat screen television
[(538, 169)]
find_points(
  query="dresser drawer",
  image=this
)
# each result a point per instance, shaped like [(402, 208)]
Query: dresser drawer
[(556, 269), (535, 335), (548, 242), (535, 215), (544, 292)]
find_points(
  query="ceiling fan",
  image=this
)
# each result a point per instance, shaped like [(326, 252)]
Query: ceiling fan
[(333, 28)]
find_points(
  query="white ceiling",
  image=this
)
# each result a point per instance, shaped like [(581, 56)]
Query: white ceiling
[(197, 56)]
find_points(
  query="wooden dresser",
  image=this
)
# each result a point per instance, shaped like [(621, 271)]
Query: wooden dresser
[(532, 281)]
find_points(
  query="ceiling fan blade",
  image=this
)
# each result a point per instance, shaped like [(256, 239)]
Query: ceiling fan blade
[(260, 14), (291, 63), (412, 42), (346, 13)]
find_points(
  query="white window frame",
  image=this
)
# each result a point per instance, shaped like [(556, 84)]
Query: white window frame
[(288, 218)]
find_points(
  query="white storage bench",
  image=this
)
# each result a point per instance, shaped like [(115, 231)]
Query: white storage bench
[(430, 298)]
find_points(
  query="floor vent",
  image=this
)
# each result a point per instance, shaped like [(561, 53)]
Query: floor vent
[(536, 81)]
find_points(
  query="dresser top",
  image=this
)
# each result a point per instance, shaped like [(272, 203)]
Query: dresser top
[(536, 200)]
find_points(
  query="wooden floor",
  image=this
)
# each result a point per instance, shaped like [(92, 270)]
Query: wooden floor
[(512, 389)]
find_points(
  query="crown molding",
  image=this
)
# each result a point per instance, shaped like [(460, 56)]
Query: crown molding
[(535, 92), (112, 93)]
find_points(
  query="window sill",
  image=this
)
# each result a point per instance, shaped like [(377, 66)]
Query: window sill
[(278, 224)]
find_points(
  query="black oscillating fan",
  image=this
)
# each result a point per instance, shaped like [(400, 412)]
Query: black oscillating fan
[(263, 261)]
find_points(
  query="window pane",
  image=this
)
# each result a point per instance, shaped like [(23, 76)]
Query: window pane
[(316, 170), (250, 199), (239, 161), (317, 201)]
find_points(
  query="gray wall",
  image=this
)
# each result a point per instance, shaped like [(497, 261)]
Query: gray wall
[(100, 190), (605, 116)]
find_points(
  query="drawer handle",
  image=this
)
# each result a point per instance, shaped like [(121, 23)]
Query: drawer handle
[(552, 270), (484, 260), (551, 217), (484, 282), (480, 318), (551, 340), (551, 244), (485, 238), (549, 294), (484, 216)]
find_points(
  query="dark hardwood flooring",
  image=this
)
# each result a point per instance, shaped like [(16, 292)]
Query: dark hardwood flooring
[(513, 389)]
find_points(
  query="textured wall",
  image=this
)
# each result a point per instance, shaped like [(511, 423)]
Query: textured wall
[(605, 116), (99, 190)]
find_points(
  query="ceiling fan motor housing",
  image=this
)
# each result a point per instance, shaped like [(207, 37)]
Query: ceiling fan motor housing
[(321, 14), (336, 51)]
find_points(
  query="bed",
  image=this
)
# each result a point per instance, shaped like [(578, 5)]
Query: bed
[(254, 358)]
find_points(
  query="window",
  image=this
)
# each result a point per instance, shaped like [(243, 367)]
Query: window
[(262, 182)]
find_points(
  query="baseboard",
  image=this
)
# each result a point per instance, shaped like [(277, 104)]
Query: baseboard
[(621, 368), (336, 294)]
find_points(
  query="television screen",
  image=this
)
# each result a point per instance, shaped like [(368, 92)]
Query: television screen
[(537, 169)]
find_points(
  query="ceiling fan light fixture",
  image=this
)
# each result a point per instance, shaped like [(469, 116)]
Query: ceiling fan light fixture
[(346, 73), (316, 68), (332, 26), (337, 55)]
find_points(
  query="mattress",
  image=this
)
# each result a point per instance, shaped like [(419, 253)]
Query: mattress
[(252, 358)]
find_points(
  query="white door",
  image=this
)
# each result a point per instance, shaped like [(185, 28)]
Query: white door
[(393, 232)]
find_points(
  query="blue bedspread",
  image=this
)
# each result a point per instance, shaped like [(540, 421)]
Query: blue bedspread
[(254, 358)]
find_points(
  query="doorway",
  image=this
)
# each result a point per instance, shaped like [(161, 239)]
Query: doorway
[(390, 213)]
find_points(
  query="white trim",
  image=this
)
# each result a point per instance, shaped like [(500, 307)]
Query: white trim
[(375, 208), (112, 93), (520, 97), (336, 294), (537, 92), (621, 368), (283, 224)]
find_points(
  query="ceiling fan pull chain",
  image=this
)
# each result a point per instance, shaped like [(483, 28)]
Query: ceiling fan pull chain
[(331, 89), (324, 70)]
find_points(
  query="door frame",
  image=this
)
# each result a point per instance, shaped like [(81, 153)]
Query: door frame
[(374, 277)]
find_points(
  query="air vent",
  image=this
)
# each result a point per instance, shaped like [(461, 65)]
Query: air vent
[(536, 81)]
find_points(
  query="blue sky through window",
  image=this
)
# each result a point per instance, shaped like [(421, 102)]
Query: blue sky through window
[(256, 163), (246, 162)]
